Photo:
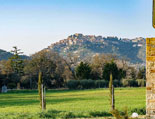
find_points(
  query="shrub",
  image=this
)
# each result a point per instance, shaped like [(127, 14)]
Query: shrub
[(87, 84), (117, 83), (120, 115), (50, 114), (133, 83), (129, 83), (46, 115), (100, 114), (11, 85), (140, 111), (69, 115), (141, 82), (101, 84), (125, 83), (73, 84)]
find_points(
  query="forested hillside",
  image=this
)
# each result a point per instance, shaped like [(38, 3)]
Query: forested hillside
[(4, 55)]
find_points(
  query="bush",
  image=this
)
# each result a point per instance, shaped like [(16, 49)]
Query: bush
[(117, 83), (129, 83), (69, 115), (11, 85), (50, 114), (73, 84), (125, 82), (141, 82), (87, 84), (133, 83), (47, 115), (101, 84), (140, 111), (100, 114)]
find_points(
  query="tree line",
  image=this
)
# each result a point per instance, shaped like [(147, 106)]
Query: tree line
[(59, 72)]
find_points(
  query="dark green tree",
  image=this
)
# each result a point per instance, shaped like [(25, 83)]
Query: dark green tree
[(83, 71), (110, 68), (17, 64), (122, 73)]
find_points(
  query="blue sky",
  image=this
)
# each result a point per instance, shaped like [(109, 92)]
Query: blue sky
[(34, 24)]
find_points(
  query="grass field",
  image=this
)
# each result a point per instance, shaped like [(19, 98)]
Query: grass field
[(19, 103)]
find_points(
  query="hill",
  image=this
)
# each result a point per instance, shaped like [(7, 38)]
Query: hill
[(4, 55), (84, 46)]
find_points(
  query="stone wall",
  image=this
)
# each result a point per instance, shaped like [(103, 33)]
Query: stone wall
[(150, 75)]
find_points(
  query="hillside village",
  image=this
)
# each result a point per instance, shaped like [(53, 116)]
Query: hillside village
[(84, 46)]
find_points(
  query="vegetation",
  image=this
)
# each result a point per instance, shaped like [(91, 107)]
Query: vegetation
[(92, 84), (53, 71), (57, 72), (83, 71), (70, 103), (17, 65), (141, 73), (4, 55), (118, 115)]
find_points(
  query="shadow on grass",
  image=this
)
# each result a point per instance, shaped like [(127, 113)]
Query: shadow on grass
[(25, 102)]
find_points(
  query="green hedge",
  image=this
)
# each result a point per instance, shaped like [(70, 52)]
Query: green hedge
[(89, 84), (73, 84), (133, 83), (101, 84), (129, 83), (141, 82), (117, 83), (11, 85)]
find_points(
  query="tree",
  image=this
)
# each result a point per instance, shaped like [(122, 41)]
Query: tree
[(54, 69), (133, 73), (70, 61), (83, 71), (17, 64), (41, 62), (141, 73), (110, 68), (122, 73), (97, 64), (8, 76)]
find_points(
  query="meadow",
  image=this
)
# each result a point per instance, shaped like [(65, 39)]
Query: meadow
[(24, 104)]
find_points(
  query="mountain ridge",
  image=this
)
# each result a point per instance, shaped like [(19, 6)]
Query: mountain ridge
[(84, 47), (4, 55), (81, 46)]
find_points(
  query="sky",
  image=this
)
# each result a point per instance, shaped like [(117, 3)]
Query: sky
[(32, 25)]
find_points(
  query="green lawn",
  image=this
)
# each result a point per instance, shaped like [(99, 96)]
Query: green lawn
[(78, 101)]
